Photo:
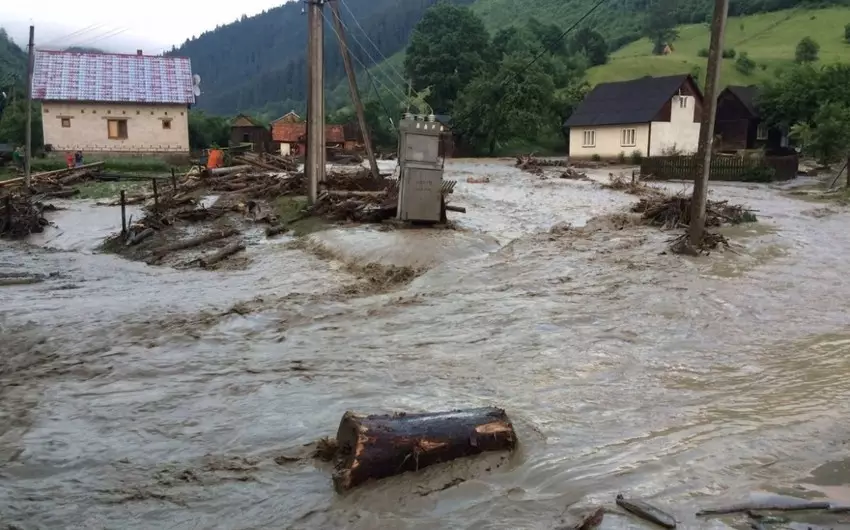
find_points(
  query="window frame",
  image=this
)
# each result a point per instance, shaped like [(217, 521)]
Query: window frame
[(683, 102), (65, 123), (623, 137), (118, 136), (166, 124), (588, 133), (762, 131)]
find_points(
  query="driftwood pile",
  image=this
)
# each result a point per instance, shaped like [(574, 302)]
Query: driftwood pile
[(267, 161), (535, 165), (674, 211), (57, 184), (21, 216)]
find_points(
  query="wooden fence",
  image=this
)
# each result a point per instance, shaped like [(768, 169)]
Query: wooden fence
[(746, 169)]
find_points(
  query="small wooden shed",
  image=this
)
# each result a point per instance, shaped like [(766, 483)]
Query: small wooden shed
[(246, 130)]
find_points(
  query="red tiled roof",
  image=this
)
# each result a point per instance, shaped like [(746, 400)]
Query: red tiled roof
[(111, 77), (296, 132)]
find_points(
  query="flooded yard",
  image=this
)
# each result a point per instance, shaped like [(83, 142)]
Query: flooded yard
[(147, 397)]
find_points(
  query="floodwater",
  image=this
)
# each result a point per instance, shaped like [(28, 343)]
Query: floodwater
[(137, 397)]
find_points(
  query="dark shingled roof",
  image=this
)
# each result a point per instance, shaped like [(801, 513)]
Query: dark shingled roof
[(747, 96), (635, 101)]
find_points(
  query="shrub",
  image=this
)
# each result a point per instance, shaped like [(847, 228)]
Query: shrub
[(703, 52), (621, 158), (729, 53), (807, 50), (637, 156), (847, 33), (744, 64), (596, 158)]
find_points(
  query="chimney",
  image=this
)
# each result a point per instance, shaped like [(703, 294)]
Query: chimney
[(138, 52)]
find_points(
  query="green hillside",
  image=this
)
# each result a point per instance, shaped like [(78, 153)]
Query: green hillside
[(769, 39)]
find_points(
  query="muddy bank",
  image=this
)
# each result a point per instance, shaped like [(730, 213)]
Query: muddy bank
[(686, 381)]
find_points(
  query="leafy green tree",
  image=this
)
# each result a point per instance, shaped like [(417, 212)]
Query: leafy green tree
[(512, 104), (744, 64), (206, 131), (827, 137), (592, 45), (807, 50), (797, 94), (447, 49), (13, 124), (660, 24)]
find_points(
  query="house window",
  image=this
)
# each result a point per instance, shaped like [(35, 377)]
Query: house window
[(246, 138), (66, 122), (166, 124), (761, 132), (627, 138), (117, 129), (589, 139), (683, 102)]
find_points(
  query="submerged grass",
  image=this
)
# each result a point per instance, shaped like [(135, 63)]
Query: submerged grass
[(109, 190), (142, 164)]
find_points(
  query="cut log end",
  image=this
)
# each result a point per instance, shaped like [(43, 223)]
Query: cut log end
[(375, 447)]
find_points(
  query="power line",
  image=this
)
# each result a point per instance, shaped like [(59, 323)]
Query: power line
[(536, 58), (361, 62), (384, 57), (369, 56), (73, 35), (106, 35)]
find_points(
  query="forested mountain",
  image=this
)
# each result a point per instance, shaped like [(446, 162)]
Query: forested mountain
[(13, 62), (259, 62)]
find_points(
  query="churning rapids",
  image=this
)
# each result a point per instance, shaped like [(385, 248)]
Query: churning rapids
[(138, 397)]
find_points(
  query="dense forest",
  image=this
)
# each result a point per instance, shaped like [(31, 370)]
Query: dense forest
[(259, 62)]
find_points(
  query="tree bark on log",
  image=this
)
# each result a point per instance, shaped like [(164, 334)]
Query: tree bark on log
[(229, 250), (380, 446), (221, 171), (160, 253), (141, 236), (453, 208)]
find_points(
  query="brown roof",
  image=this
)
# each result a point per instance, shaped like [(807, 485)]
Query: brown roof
[(243, 120), (296, 132), (747, 95)]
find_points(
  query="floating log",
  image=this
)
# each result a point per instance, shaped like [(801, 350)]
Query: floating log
[(275, 230), (196, 241), (61, 194), (353, 193), (221, 171), (647, 512), (21, 280), (380, 446), (764, 507), (141, 236), (229, 250), (453, 208)]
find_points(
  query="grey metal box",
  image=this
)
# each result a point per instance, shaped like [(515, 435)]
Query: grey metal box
[(420, 197)]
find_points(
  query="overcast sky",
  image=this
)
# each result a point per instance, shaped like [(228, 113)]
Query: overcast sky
[(117, 26)]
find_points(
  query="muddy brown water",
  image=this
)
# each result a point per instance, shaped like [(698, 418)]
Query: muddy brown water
[(132, 398)]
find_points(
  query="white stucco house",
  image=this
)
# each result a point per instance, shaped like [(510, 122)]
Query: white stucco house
[(651, 116), (114, 103)]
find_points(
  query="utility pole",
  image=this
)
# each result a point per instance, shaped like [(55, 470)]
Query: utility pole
[(706, 130), (28, 151), (352, 88), (315, 167)]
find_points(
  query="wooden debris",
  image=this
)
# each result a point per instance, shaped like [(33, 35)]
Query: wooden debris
[(160, 253), (141, 236), (573, 174), (275, 230), (21, 216), (646, 511), (674, 211), (765, 507), (226, 252), (589, 520), (535, 165), (380, 446)]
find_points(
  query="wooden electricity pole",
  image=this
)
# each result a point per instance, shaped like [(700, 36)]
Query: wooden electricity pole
[(28, 150), (352, 88), (315, 167), (706, 130)]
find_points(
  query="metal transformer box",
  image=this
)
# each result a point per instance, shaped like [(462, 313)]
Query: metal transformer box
[(421, 170)]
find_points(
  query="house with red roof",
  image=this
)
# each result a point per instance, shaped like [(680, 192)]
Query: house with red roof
[(292, 135), (114, 103)]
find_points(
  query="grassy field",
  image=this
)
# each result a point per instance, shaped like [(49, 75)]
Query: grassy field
[(769, 39), (123, 165)]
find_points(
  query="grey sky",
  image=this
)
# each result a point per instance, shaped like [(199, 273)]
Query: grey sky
[(150, 25)]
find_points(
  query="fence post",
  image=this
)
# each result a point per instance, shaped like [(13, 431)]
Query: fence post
[(8, 225), (173, 182), (155, 197), (123, 214)]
